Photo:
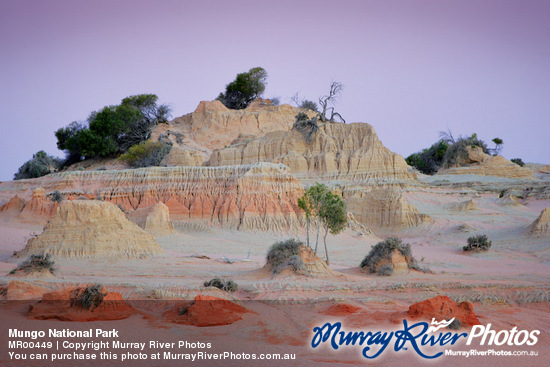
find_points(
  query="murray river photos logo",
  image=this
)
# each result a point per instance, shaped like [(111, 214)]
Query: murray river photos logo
[(417, 336)]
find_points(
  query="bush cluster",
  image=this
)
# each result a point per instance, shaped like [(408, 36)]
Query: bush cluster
[(518, 161), (244, 89), (226, 285), (56, 196), (445, 153), (478, 243), (284, 254), (146, 154), (40, 165), (383, 250), (113, 129), (36, 263), (92, 296)]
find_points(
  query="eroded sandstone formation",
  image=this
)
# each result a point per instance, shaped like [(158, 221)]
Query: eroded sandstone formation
[(343, 152), (479, 163), (155, 219), (213, 126), (260, 197), (91, 229), (541, 225)]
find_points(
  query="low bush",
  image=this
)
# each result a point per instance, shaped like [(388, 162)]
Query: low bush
[(146, 154), (284, 254), (478, 243), (92, 296), (518, 161), (445, 153), (226, 285), (386, 270), (382, 252), (56, 196), (36, 264)]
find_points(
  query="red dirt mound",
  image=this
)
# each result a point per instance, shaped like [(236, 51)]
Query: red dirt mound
[(206, 311), (64, 305), (341, 309), (439, 308)]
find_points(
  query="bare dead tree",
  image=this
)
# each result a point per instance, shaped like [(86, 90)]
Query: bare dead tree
[(324, 101), (309, 126)]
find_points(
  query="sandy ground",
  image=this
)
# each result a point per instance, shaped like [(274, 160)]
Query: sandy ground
[(508, 286)]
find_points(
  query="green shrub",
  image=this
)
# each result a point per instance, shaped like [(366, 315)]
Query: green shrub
[(478, 243), (445, 153), (518, 161), (40, 165), (429, 160), (458, 152), (385, 270), (226, 285), (92, 296), (36, 263), (113, 129), (285, 254), (56, 196), (146, 154), (244, 89), (382, 251)]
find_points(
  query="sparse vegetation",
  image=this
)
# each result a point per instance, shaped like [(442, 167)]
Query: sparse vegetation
[(385, 270), (91, 297), (244, 89), (146, 154), (226, 285), (518, 161), (56, 196), (36, 264), (40, 165), (308, 126), (379, 257), (284, 254), (446, 152), (478, 243)]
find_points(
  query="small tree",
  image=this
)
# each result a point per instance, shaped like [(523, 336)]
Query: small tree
[(244, 89), (333, 216), (305, 204), (329, 209), (498, 146), (316, 196)]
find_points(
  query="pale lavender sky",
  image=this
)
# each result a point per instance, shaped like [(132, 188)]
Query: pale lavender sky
[(410, 68)]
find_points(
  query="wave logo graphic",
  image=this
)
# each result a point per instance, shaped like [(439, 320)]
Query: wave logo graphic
[(439, 325)]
